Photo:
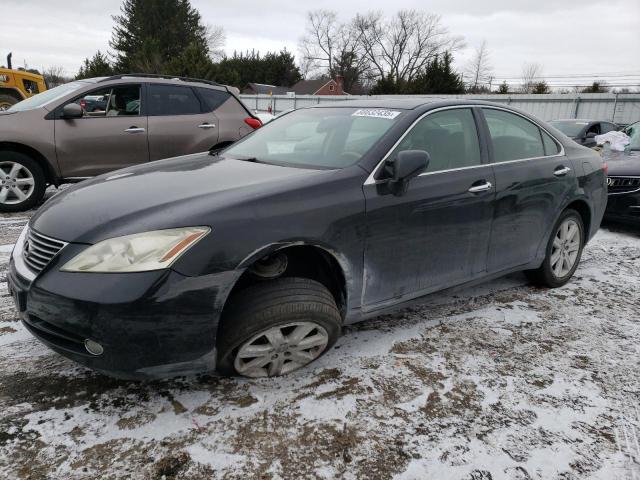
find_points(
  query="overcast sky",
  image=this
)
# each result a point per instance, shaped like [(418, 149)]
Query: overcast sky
[(567, 37)]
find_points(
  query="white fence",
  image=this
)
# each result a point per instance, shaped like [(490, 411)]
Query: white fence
[(621, 108)]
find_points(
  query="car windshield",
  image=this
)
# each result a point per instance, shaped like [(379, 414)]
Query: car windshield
[(47, 96), (633, 131), (570, 128), (317, 137)]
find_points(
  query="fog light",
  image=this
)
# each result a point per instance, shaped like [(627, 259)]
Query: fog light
[(94, 348)]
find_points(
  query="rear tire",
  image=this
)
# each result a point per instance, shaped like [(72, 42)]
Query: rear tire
[(563, 252), (22, 182), (7, 101), (275, 327)]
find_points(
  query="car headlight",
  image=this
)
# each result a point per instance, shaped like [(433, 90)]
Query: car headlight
[(140, 252)]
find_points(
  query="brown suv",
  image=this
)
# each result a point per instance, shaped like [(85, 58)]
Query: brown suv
[(88, 127)]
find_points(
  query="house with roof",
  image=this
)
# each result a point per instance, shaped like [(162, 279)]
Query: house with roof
[(323, 86), (264, 89)]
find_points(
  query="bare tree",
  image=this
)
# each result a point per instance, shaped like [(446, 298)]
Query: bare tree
[(401, 46), (479, 69), (216, 39), (55, 75), (531, 75), (332, 48)]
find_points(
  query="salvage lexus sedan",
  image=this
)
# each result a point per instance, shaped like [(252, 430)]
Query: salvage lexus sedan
[(250, 261)]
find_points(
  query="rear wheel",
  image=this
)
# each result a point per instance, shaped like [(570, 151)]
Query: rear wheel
[(563, 252), (276, 327), (7, 101), (22, 182)]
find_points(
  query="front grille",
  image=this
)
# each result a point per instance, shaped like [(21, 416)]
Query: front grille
[(39, 249), (623, 184)]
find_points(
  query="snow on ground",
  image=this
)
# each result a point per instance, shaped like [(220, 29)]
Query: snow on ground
[(499, 381)]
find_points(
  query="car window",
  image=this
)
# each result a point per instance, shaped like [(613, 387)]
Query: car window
[(449, 136), (512, 136), (324, 137), (551, 147), (571, 128), (595, 128), (607, 127), (119, 101), (633, 131), (30, 86), (47, 96), (213, 98), (172, 100)]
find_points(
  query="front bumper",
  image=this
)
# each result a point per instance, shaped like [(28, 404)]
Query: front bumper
[(624, 207), (150, 324)]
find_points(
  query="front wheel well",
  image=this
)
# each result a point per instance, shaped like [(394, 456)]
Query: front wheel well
[(12, 92), (303, 261), (49, 173)]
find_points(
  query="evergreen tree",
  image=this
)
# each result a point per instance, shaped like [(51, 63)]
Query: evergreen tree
[(97, 66), (541, 87), (437, 77), (160, 36), (272, 69)]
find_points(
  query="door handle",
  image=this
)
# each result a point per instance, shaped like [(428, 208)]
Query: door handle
[(207, 125), (483, 187), (135, 130), (561, 171)]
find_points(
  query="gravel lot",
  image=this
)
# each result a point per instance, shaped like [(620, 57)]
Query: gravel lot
[(500, 381)]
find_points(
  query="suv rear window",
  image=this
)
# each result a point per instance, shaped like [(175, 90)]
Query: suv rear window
[(213, 98), (172, 100)]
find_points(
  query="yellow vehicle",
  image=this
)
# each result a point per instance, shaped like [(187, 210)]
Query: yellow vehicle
[(16, 85)]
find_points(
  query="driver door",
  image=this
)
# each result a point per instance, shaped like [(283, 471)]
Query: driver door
[(437, 234), (111, 134)]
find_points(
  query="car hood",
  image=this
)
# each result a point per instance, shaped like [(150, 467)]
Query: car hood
[(623, 164), (183, 191)]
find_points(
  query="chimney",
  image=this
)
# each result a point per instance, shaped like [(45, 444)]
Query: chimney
[(340, 85)]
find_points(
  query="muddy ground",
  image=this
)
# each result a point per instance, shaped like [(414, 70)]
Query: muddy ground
[(500, 381)]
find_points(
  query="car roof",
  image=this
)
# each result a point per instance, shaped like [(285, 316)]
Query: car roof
[(409, 103), (150, 78)]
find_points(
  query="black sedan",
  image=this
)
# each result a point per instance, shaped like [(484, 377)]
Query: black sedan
[(583, 131), (624, 180), (251, 261)]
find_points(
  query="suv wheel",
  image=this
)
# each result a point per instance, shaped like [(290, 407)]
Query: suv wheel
[(563, 252), (22, 182), (276, 327)]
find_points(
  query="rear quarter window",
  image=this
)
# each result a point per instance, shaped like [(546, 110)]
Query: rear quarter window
[(213, 98)]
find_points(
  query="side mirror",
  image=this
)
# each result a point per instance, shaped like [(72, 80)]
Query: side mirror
[(407, 165), (72, 110), (591, 135)]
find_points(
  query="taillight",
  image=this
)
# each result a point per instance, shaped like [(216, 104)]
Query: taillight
[(605, 168), (83, 104), (253, 122)]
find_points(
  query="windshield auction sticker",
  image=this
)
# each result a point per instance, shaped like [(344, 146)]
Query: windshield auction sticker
[(375, 113)]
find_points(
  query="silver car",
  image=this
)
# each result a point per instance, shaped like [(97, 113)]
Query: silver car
[(93, 126)]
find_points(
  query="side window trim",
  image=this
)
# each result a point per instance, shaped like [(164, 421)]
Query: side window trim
[(561, 152), (371, 179)]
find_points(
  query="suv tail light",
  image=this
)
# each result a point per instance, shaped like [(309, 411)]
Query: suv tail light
[(253, 122), (605, 168), (83, 104)]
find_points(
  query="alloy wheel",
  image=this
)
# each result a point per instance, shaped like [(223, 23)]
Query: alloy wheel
[(281, 349), (16, 183), (566, 247)]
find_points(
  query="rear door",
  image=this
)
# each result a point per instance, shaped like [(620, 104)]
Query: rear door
[(437, 234), (179, 122), (533, 178), (106, 138)]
